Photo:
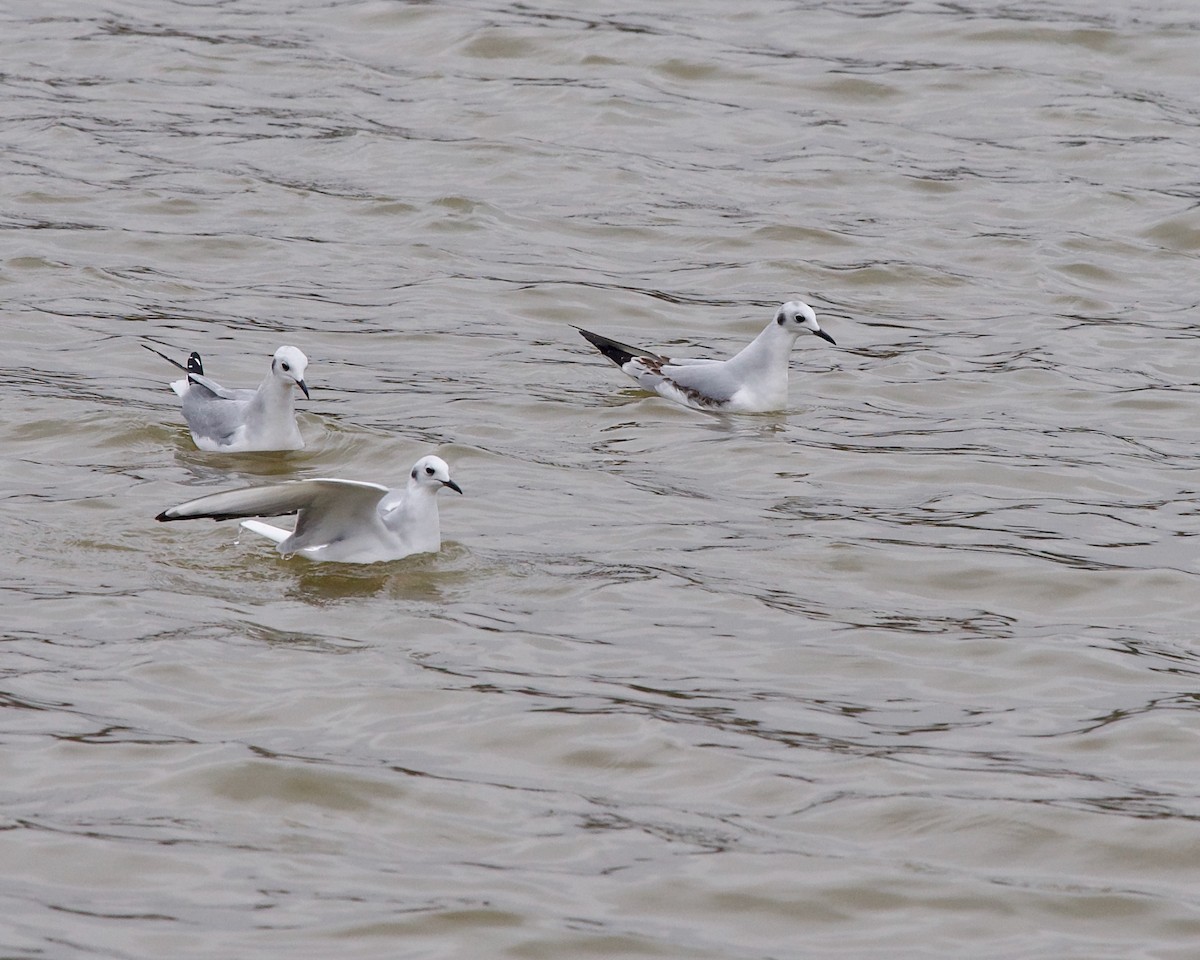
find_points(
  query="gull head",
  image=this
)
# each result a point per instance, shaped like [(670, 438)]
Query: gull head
[(796, 315), (433, 473), (288, 365)]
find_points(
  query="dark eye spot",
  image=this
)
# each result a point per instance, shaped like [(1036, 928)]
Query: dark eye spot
[(429, 471), (414, 473), (781, 319)]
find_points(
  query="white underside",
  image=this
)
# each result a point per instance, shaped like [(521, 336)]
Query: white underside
[(353, 549)]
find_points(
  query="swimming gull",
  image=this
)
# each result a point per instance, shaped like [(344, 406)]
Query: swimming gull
[(752, 381), (340, 520), (239, 421)]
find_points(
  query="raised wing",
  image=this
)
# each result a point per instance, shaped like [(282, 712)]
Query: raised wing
[(338, 510), (333, 498)]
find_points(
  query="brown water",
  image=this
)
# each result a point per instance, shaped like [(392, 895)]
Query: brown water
[(909, 671)]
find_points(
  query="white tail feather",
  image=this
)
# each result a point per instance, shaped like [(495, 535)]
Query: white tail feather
[(271, 532)]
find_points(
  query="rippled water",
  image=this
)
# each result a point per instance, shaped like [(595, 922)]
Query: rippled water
[(910, 670)]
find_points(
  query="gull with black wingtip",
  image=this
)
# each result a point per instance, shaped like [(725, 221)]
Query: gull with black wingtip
[(241, 421), (752, 381), (347, 521)]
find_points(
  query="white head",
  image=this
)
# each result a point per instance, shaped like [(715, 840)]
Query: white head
[(288, 365), (432, 473), (796, 316)]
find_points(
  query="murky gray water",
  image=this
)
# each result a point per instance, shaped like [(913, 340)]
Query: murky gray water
[(911, 670)]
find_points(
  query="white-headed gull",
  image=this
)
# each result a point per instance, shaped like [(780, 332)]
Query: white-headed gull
[(238, 421), (752, 381), (341, 520)]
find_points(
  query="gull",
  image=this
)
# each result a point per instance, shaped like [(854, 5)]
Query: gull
[(237, 421), (342, 520), (752, 381)]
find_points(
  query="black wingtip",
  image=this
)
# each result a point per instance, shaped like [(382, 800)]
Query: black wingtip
[(195, 364), (174, 363), (619, 353), (163, 518)]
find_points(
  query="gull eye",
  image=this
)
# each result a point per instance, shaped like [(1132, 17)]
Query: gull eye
[(429, 471), (285, 366)]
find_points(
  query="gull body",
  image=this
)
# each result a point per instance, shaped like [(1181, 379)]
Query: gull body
[(240, 421), (755, 380), (347, 521)]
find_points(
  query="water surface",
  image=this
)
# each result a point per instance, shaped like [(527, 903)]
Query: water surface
[(906, 670)]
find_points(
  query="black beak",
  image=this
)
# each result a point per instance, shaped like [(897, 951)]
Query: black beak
[(824, 336), (452, 485), (304, 386)]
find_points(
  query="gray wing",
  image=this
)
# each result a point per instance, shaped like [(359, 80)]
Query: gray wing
[(705, 382), (339, 510), (269, 500), (699, 382), (212, 412), (211, 390), (328, 509), (685, 362)]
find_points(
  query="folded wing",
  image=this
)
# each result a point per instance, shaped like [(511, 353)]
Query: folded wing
[(213, 413), (616, 351), (213, 390), (706, 384)]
